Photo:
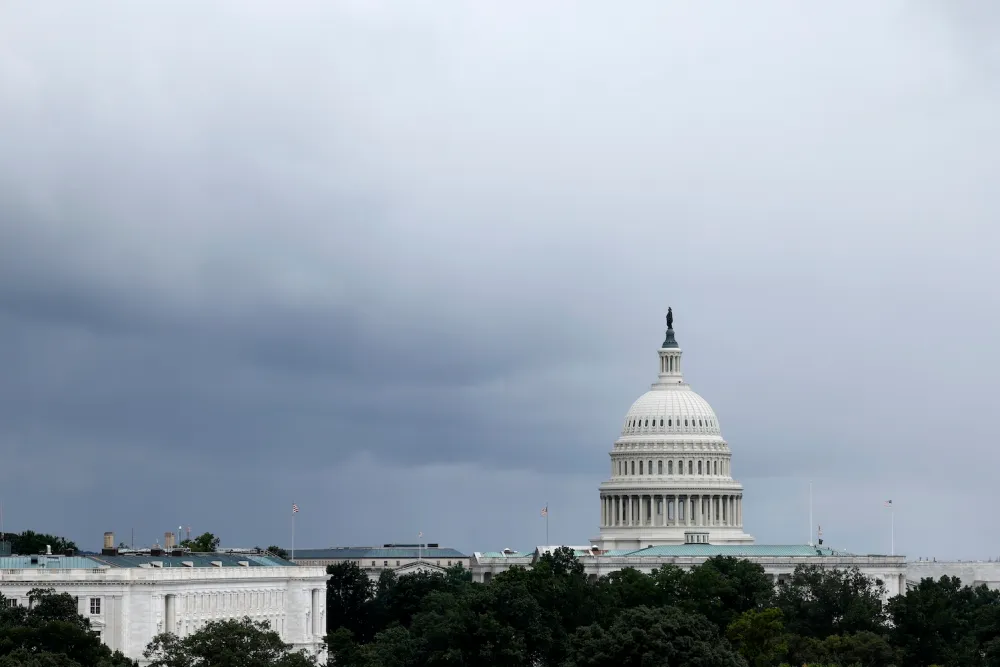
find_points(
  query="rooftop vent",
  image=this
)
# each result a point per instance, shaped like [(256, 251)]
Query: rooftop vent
[(177, 552), (69, 552), (156, 551)]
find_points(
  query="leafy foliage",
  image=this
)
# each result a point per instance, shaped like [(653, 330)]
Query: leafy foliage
[(204, 543), (51, 633), (30, 542), (229, 643), (278, 551), (723, 612)]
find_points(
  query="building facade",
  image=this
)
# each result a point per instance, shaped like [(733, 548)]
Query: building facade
[(671, 498), (671, 470), (131, 597), (402, 558)]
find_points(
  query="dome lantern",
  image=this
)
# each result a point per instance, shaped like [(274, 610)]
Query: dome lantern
[(670, 356)]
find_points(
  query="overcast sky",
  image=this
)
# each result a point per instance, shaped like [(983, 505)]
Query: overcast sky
[(406, 264)]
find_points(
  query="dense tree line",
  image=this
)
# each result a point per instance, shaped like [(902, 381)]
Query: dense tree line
[(724, 613), (30, 542)]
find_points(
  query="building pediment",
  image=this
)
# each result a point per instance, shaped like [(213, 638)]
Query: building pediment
[(419, 566)]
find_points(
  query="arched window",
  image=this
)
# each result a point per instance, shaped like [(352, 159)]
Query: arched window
[(670, 422), (640, 467), (685, 422), (661, 423), (690, 467), (670, 467), (659, 467), (699, 467), (619, 467), (715, 467), (633, 467), (647, 422), (649, 467)]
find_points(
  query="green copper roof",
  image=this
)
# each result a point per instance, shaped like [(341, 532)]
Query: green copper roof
[(44, 562)]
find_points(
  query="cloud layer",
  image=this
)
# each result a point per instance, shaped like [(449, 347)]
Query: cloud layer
[(407, 266)]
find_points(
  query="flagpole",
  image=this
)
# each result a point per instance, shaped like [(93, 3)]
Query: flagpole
[(293, 536), (547, 523)]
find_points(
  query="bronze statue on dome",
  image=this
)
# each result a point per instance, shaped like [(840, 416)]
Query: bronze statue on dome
[(670, 317)]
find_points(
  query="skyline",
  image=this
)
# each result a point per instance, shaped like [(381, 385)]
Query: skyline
[(407, 266)]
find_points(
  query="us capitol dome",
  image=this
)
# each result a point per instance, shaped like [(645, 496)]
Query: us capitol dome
[(671, 475)]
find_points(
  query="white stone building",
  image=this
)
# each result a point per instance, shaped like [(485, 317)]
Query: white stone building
[(671, 497), (402, 558), (131, 597)]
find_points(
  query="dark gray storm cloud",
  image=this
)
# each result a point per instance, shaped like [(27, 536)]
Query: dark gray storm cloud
[(407, 265)]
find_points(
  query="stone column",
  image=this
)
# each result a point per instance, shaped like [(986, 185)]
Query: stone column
[(170, 613)]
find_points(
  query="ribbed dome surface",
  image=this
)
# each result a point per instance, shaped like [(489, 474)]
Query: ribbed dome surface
[(671, 410)]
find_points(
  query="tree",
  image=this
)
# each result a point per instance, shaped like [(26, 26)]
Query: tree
[(30, 542), (943, 622), (229, 643), (645, 636), (724, 587), (818, 603), (50, 633), (204, 543), (278, 551), (759, 636), (348, 595)]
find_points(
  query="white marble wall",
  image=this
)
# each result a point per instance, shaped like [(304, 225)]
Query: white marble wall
[(134, 601)]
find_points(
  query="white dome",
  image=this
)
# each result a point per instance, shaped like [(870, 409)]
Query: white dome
[(671, 410)]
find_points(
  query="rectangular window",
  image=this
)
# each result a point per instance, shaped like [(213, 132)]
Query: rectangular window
[(659, 467), (397, 563), (373, 563), (385, 563), (95, 606), (633, 467)]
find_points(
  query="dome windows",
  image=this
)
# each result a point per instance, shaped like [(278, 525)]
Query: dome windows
[(661, 422)]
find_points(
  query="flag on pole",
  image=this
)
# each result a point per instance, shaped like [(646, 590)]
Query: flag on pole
[(887, 503), (295, 508), (420, 534), (545, 511)]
